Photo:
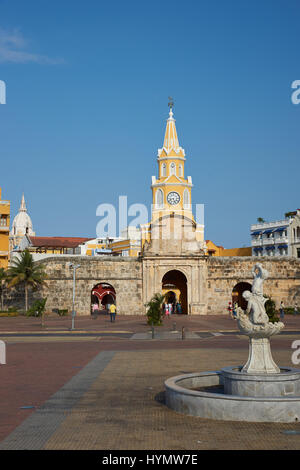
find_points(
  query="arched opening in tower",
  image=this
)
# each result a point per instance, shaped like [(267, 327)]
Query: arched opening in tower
[(174, 287)]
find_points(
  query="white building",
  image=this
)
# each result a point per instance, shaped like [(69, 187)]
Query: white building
[(21, 226), (279, 238)]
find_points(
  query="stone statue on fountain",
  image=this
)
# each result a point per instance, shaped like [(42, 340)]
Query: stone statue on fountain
[(254, 323)]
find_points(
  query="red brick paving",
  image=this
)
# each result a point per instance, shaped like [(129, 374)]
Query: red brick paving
[(127, 322), (36, 370)]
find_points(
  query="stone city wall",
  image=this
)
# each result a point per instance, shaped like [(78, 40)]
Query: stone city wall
[(124, 274), (214, 277), (283, 283)]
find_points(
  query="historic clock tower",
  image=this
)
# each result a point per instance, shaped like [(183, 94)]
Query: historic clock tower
[(173, 246), (172, 227), (171, 191)]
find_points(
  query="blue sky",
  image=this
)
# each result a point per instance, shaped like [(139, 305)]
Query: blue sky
[(86, 107)]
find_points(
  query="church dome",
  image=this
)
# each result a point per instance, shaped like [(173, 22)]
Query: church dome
[(22, 223)]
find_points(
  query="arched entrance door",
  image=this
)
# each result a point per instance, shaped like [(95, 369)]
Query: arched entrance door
[(174, 286), (103, 295), (237, 294)]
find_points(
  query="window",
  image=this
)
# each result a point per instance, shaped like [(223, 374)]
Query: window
[(180, 172), (159, 199), (163, 170), (186, 199), (172, 169)]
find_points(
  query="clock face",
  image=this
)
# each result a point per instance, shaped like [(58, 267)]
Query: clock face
[(173, 198)]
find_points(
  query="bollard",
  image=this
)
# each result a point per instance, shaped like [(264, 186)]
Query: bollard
[(174, 326), (152, 329), (183, 333), (2, 352)]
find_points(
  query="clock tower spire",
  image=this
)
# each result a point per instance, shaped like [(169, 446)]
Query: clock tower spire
[(172, 228), (171, 190)]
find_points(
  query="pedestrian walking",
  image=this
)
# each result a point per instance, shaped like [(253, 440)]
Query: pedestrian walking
[(235, 310), (178, 308), (167, 312), (112, 311), (170, 309), (296, 309), (281, 310), (229, 308)]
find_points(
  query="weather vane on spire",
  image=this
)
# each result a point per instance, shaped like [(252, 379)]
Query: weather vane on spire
[(171, 102)]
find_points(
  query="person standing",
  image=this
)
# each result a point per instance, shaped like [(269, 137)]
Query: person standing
[(112, 311), (235, 310), (170, 308), (178, 308), (281, 310), (229, 308), (296, 309), (167, 310)]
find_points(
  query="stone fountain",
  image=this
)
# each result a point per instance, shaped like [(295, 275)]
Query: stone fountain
[(257, 391)]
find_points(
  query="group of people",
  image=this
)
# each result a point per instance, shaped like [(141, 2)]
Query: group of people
[(171, 308), (232, 309), (110, 308)]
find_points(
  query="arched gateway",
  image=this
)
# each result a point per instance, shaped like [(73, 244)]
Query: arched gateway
[(237, 294), (103, 294), (174, 286)]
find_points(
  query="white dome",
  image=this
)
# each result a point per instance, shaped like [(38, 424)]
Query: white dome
[(22, 223)]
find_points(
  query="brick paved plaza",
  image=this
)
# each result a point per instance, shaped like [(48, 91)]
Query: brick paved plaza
[(102, 385)]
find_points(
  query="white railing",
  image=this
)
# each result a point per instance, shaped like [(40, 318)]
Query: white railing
[(5, 202), (265, 225), (281, 240), (256, 242)]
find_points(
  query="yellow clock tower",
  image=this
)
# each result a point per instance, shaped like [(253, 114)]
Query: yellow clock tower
[(171, 191), (172, 217)]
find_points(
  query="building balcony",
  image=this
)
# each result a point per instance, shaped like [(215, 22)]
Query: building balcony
[(281, 240), (266, 225), (268, 241), (3, 253), (256, 242), (4, 228)]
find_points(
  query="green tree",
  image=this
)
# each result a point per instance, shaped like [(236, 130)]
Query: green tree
[(3, 280), (260, 220), (271, 311), (155, 311), (23, 270)]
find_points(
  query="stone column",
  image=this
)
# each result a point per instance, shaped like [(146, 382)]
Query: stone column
[(260, 359)]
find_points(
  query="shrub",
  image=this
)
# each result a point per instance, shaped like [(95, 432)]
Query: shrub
[(155, 311), (37, 309), (271, 311), (62, 312)]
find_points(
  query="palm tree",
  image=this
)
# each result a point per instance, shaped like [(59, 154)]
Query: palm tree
[(260, 220), (3, 279), (23, 270), (154, 312)]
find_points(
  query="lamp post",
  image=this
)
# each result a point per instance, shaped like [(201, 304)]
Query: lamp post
[(74, 266)]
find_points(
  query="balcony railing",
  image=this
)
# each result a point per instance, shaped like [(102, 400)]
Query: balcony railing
[(275, 224)]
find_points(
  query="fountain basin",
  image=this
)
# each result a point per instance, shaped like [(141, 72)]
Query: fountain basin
[(202, 395), (284, 383)]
